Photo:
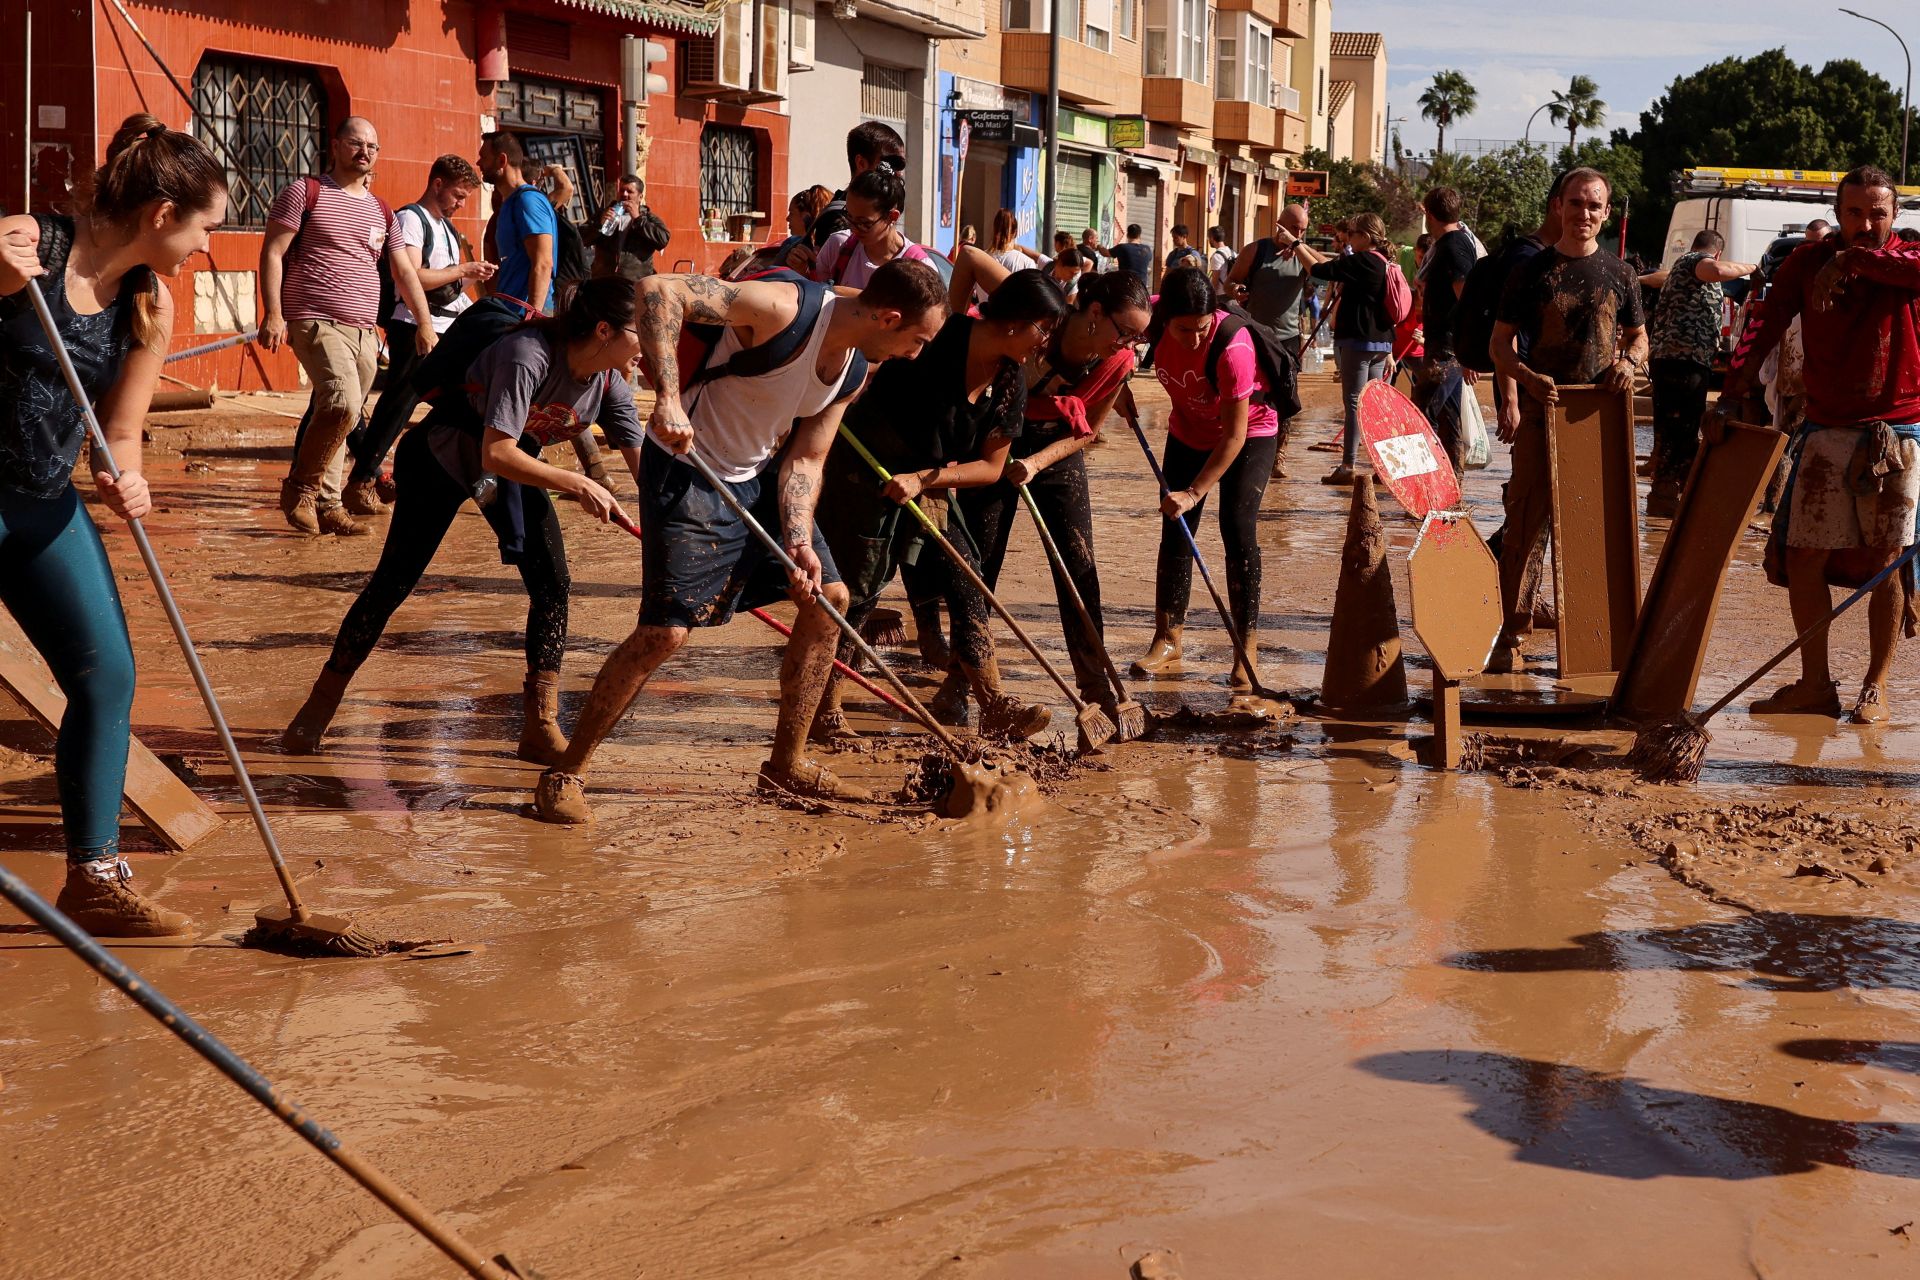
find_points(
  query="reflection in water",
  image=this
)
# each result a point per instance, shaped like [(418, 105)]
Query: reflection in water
[(1570, 1118), (1796, 952)]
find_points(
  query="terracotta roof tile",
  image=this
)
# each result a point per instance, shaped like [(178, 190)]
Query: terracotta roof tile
[(1357, 44)]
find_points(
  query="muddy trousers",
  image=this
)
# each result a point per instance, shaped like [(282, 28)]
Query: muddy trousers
[(1240, 491), (1061, 494), (1679, 402), (57, 583), (424, 507), (1528, 498)]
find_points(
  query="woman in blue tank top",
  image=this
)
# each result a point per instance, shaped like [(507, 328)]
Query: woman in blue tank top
[(140, 215)]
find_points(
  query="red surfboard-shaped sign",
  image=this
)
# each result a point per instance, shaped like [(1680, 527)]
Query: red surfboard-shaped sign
[(1407, 455)]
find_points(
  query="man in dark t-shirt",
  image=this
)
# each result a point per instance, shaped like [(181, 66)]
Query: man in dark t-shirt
[(1439, 380), (1578, 307), (1134, 256)]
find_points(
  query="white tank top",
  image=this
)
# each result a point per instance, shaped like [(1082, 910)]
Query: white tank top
[(740, 423)]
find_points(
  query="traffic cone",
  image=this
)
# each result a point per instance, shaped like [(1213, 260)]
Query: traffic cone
[(1364, 671)]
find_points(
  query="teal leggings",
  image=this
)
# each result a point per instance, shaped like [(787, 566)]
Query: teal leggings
[(57, 583)]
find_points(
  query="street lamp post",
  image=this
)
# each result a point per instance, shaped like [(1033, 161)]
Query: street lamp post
[(1906, 98), (1526, 134)]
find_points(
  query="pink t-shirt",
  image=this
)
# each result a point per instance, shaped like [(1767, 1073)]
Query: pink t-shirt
[(331, 271), (859, 268), (1196, 409)]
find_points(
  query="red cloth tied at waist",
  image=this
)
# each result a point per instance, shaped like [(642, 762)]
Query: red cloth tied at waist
[(1071, 405)]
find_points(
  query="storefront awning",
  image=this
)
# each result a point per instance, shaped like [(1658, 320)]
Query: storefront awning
[(690, 16)]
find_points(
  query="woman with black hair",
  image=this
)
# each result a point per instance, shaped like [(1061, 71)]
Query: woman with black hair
[(1072, 383), (540, 383), (1218, 436), (942, 421)]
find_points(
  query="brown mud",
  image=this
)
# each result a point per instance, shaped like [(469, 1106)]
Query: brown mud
[(1230, 1003)]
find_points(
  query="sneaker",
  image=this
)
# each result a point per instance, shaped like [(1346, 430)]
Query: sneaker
[(1005, 716), (1797, 699), (811, 780), (99, 897), (362, 498), (562, 798), (336, 521), (1870, 709)]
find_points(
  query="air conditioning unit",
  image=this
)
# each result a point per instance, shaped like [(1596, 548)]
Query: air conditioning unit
[(776, 46), (800, 38), (724, 63)]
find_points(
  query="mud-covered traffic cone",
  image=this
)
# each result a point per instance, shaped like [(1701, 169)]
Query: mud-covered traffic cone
[(1364, 671)]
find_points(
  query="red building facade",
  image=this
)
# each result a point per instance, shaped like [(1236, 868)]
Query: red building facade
[(273, 80)]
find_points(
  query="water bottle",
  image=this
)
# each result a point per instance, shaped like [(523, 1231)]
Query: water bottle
[(616, 221)]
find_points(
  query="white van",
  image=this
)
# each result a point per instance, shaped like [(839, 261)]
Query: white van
[(1753, 207)]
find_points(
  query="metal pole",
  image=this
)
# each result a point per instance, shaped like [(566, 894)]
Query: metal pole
[(26, 119), (1526, 134), (1906, 98), (1051, 206)]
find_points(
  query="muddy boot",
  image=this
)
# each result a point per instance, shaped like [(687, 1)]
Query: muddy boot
[(336, 521), (1799, 698), (1870, 709), (384, 487), (1163, 654), (1663, 501), (932, 635), (362, 498), (829, 721), (1506, 658), (562, 798), (810, 780), (301, 507), (949, 703), (1004, 716), (1342, 474), (309, 726), (541, 741), (1238, 678), (99, 897)]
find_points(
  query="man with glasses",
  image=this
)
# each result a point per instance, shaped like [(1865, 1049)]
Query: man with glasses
[(320, 292)]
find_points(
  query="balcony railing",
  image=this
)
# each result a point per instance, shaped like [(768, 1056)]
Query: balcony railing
[(1285, 98)]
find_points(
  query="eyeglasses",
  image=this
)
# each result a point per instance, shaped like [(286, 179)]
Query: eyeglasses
[(863, 225), (371, 148)]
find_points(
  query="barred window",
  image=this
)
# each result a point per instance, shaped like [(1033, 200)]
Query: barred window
[(884, 93), (729, 169), (266, 121)]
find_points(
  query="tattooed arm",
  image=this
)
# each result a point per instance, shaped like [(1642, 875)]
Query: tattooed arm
[(800, 476), (664, 305)]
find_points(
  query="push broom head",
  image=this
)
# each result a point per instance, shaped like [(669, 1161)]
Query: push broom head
[(1129, 721), (1096, 731), (1670, 751), (276, 929), (885, 627)]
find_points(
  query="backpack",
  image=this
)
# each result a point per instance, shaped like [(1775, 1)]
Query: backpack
[(1399, 292), (438, 299), (440, 377), (698, 342), (569, 252), (1276, 363), (309, 197), (1478, 307)]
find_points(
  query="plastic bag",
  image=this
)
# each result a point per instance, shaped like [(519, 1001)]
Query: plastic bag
[(1473, 430)]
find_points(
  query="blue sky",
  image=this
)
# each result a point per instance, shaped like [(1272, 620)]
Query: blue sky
[(1516, 52)]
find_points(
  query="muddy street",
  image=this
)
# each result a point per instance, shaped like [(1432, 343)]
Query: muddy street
[(1274, 1001)]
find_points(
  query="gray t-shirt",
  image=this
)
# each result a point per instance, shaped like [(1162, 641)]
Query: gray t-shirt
[(521, 387), (1273, 291)]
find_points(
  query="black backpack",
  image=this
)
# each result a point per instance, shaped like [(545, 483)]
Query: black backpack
[(569, 252), (1276, 363), (440, 378), (1478, 307)]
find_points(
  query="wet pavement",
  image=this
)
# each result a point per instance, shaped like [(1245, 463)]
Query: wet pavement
[(1283, 1003)]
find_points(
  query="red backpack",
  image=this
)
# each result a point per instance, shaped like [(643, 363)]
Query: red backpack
[(1399, 292)]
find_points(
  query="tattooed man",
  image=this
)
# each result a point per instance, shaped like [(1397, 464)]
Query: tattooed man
[(762, 408)]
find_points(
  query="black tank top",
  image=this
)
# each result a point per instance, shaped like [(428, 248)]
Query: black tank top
[(41, 428)]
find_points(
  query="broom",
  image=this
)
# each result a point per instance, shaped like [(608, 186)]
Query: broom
[(885, 627), (1674, 749), (1129, 717), (291, 929)]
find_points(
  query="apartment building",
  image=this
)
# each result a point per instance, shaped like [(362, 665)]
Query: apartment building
[(1357, 106), (1170, 111)]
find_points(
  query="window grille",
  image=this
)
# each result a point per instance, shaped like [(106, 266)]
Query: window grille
[(729, 169), (269, 119), (884, 93)]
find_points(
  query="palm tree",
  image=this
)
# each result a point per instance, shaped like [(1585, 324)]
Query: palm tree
[(1578, 108), (1446, 99)]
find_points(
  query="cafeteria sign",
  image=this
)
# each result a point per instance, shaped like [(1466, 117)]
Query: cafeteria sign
[(1308, 184), (1126, 131), (990, 126)]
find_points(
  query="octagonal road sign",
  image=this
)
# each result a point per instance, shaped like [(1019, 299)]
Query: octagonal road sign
[(1407, 455), (1455, 587)]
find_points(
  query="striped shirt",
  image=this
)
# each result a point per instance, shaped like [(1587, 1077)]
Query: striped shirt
[(332, 269)]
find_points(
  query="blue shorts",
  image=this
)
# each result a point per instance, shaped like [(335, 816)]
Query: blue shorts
[(699, 561)]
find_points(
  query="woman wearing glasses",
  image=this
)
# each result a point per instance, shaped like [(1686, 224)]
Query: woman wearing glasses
[(538, 384), (1072, 384), (945, 420)]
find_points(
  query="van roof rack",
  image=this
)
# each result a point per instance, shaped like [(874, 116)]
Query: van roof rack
[(1777, 184)]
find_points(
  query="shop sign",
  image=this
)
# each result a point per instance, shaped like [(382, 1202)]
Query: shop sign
[(990, 126), (1308, 184), (1126, 131)]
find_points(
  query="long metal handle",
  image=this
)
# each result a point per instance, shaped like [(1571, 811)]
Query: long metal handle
[(242, 1073), (105, 462), (1059, 563), (852, 632), (973, 575)]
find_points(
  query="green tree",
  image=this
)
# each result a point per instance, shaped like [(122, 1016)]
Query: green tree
[(1767, 112), (1501, 192), (1578, 108), (1449, 97)]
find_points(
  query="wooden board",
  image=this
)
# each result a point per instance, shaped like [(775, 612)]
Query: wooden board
[(1454, 585), (1662, 669), (1596, 527), (165, 805), (1407, 455)]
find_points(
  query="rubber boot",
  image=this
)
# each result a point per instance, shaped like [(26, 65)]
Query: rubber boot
[(1163, 654), (309, 726), (932, 635), (1238, 678), (99, 897), (541, 741)]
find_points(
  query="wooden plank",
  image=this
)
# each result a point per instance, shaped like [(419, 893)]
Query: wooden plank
[(1662, 670), (165, 805), (1596, 527)]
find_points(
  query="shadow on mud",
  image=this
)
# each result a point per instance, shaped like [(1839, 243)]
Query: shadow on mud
[(1893, 1055), (1568, 1117), (1792, 952)]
